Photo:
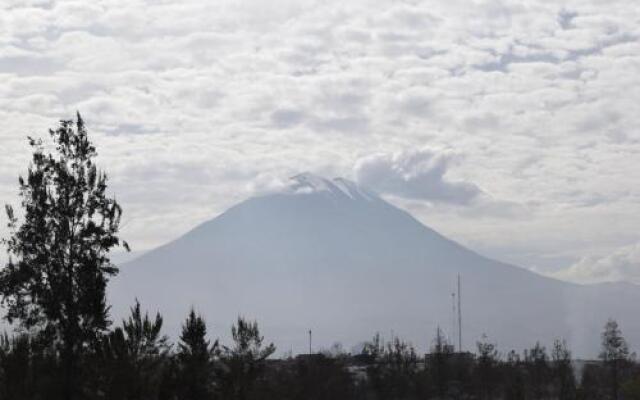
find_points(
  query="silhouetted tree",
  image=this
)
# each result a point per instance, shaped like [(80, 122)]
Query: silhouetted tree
[(196, 357), (16, 370), (58, 270), (439, 362), (614, 354), (400, 367), (393, 368), (374, 349), (131, 359), (487, 368), (562, 371), (513, 377), (538, 371), (244, 362), (373, 352)]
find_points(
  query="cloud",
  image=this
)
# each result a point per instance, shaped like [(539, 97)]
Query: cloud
[(286, 118), (414, 174), (621, 265), (539, 96)]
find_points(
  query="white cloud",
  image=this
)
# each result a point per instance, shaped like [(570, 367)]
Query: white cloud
[(539, 96), (621, 265), (414, 174)]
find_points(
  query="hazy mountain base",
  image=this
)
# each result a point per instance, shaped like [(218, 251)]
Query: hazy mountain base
[(332, 257)]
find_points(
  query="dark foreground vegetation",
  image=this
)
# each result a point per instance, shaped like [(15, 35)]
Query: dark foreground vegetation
[(65, 346), (135, 361)]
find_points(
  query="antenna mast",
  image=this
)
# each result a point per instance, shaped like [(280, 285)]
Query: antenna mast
[(309, 341), (454, 315), (459, 317)]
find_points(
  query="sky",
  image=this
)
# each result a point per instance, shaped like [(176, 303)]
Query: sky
[(511, 127)]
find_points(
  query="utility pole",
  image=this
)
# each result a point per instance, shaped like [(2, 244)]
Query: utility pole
[(309, 341), (454, 315), (459, 318)]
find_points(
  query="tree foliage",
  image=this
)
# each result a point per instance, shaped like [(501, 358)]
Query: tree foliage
[(197, 360), (615, 354), (562, 371), (59, 267), (244, 361)]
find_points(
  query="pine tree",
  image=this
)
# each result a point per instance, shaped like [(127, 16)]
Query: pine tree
[(59, 267), (196, 357), (132, 358), (615, 354), (147, 351), (245, 360), (143, 335)]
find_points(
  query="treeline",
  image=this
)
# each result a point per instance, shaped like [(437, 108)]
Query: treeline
[(65, 347), (396, 372), (135, 361)]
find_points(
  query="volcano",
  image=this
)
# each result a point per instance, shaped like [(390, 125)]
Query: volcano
[(336, 258)]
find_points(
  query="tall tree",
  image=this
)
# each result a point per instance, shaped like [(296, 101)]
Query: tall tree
[(614, 354), (196, 357), (56, 277), (245, 360), (538, 371), (131, 358), (563, 374)]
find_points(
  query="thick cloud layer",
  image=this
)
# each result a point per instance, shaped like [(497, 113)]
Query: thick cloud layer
[(194, 105), (414, 175)]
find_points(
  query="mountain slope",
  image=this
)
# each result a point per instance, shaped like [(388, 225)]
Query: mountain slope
[(333, 257)]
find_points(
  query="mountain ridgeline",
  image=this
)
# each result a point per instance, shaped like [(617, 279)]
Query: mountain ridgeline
[(333, 257)]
